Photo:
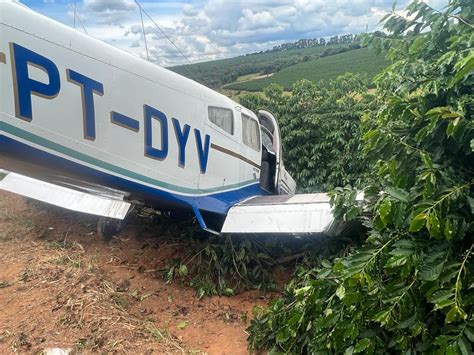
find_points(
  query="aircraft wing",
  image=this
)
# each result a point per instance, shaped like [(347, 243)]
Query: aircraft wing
[(96, 201), (284, 214)]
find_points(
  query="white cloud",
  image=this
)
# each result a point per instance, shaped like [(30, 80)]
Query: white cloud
[(211, 29), (109, 5), (110, 12)]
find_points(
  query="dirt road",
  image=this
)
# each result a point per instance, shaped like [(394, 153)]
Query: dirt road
[(61, 286)]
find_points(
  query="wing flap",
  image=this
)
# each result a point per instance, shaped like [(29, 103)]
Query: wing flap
[(64, 197)]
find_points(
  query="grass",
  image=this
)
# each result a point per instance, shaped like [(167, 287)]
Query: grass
[(162, 335), (360, 60)]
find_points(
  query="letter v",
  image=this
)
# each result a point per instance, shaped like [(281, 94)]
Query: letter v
[(203, 152)]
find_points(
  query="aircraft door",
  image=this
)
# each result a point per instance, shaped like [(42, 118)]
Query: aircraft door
[(281, 181), (250, 147)]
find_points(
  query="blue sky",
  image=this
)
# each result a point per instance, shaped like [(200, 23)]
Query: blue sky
[(213, 29)]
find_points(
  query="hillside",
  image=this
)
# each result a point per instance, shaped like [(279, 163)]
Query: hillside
[(360, 60), (218, 73)]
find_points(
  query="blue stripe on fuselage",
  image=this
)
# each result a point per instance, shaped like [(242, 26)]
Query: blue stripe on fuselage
[(218, 202)]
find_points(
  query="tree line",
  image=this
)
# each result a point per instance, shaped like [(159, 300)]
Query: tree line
[(315, 42)]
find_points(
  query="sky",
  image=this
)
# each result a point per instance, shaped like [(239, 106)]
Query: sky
[(205, 30)]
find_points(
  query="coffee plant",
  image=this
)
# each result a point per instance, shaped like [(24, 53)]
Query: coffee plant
[(410, 287), (320, 127)]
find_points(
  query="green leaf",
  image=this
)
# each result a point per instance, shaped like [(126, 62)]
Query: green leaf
[(441, 295), (398, 194), (302, 290), (418, 222), (453, 127), (362, 345), (326, 264), (407, 322), (183, 270), (351, 332), (427, 160), (396, 261), (384, 211), (464, 346), (471, 203), (431, 272), (351, 214), (452, 349), (452, 315), (228, 291), (443, 304), (433, 224), (465, 67), (469, 332), (383, 317), (341, 292), (183, 324), (448, 229)]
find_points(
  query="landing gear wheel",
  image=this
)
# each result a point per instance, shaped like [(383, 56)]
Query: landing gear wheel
[(107, 228)]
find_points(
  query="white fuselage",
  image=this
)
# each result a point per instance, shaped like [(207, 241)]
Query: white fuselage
[(79, 107)]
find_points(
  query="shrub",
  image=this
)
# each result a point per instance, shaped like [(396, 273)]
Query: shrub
[(410, 287)]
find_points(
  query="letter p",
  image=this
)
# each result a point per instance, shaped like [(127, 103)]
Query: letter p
[(24, 86)]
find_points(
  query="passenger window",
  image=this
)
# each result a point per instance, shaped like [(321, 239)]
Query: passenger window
[(250, 132), (222, 117)]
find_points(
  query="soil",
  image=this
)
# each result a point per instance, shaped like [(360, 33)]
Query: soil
[(61, 286)]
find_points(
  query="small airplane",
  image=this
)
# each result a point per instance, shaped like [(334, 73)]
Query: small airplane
[(91, 128)]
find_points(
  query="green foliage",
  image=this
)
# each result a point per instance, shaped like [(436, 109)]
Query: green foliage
[(410, 287), (223, 266), (320, 129), (217, 73), (358, 61)]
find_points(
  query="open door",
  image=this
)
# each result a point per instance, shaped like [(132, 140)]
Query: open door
[(273, 178)]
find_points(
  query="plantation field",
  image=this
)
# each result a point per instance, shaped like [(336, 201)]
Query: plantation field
[(363, 61), (225, 71)]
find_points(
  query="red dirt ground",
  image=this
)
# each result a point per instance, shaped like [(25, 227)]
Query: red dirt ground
[(61, 286)]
